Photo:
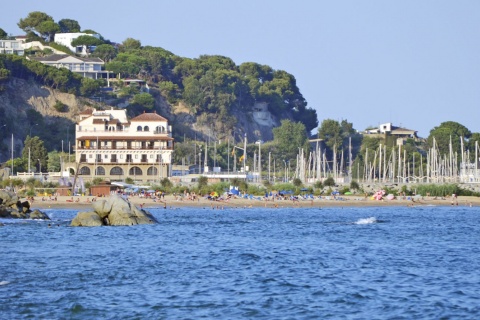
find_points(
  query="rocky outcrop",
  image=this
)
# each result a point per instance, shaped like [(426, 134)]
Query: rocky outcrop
[(12, 208), (115, 211)]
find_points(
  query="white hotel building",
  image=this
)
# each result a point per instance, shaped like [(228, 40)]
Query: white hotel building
[(110, 146)]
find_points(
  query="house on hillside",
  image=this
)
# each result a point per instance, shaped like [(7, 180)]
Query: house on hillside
[(388, 129), (110, 146), (12, 46), (67, 38), (87, 67)]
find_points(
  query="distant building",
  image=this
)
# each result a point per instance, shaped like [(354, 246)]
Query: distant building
[(67, 38), (87, 67), (388, 129), (109, 146), (12, 47)]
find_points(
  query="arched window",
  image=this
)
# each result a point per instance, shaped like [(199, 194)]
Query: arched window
[(135, 171), (152, 171), (139, 128), (85, 171), (160, 129), (146, 128), (116, 171), (100, 171)]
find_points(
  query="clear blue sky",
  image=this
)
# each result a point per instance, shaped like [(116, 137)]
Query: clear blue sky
[(415, 63)]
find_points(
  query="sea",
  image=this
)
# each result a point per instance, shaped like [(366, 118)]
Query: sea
[(247, 263)]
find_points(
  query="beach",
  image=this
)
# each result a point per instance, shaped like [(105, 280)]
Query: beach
[(84, 203)]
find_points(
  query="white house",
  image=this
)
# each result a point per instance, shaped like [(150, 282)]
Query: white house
[(87, 67), (67, 38), (108, 145), (12, 47)]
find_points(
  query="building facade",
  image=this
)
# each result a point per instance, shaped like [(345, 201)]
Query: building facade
[(112, 147), (12, 47), (87, 67)]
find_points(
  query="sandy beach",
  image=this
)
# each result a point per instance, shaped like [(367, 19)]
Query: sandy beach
[(84, 203)]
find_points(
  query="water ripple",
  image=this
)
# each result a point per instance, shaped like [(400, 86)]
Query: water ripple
[(362, 263)]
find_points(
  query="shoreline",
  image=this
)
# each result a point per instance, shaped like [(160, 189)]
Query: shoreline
[(83, 203)]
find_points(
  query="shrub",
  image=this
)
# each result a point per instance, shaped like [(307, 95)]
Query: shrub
[(354, 185), (329, 182), (60, 107), (318, 185), (297, 182)]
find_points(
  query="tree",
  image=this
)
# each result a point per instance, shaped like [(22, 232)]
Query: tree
[(87, 42), (130, 44), (106, 52), (289, 137), (329, 182), (446, 132), (331, 132), (144, 99), (33, 22), (89, 87), (3, 34), (48, 30), (34, 148), (55, 160), (69, 26)]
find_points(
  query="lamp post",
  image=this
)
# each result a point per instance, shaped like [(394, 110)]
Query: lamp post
[(30, 134), (259, 142)]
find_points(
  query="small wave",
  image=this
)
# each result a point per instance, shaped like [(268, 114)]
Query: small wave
[(4, 283), (366, 220)]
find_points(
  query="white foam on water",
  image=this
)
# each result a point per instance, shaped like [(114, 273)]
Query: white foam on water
[(3, 283), (366, 220)]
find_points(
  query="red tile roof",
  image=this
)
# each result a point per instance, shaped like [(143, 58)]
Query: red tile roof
[(149, 117), (87, 111)]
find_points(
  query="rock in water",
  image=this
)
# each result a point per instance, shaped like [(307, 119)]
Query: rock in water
[(87, 219), (115, 211), (35, 214), (8, 198), (12, 208)]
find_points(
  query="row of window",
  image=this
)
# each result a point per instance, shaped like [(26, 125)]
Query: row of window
[(117, 171)]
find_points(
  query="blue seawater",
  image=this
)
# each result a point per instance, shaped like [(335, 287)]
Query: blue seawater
[(329, 263)]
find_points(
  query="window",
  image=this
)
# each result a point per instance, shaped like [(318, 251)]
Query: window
[(90, 156), (152, 171), (135, 171), (116, 171), (100, 171), (106, 156), (121, 156), (136, 156), (139, 128), (151, 156), (85, 171), (146, 128)]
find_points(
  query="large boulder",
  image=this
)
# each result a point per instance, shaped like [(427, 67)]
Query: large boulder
[(37, 215), (8, 198), (115, 211), (12, 208), (87, 219)]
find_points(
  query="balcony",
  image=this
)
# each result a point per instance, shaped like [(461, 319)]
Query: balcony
[(121, 148)]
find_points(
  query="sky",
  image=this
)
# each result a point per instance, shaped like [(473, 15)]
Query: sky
[(413, 63)]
